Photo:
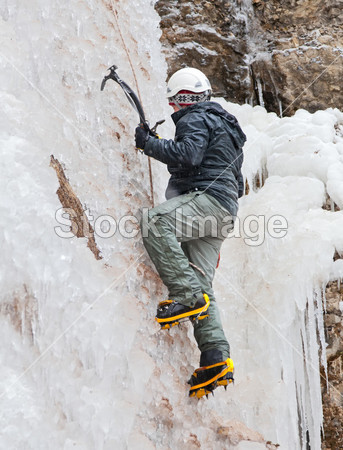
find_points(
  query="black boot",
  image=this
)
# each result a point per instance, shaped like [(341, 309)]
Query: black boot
[(170, 313), (211, 356), (206, 379)]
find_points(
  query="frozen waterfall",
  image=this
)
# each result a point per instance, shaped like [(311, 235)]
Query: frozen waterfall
[(83, 364)]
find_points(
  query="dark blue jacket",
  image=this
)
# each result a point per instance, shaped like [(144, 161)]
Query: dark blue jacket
[(206, 154)]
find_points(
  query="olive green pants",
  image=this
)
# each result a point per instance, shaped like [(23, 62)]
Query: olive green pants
[(200, 224)]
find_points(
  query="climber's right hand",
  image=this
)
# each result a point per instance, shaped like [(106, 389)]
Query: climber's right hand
[(141, 137)]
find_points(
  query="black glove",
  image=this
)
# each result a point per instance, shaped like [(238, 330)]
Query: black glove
[(141, 136)]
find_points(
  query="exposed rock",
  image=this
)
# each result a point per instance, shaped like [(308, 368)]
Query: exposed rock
[(305, 45), (333, 392), (235, 433), (209, 35), (282, 55), (78, 217)]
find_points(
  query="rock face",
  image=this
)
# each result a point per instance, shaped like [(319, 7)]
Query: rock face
[(282, 55), (333, 392), (209, 35), (305, 46)]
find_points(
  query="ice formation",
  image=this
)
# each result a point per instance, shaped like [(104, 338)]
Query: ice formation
[(83, 365)]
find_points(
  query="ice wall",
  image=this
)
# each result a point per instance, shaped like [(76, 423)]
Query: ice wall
[(75, 359), (83, 365), (275, 286)]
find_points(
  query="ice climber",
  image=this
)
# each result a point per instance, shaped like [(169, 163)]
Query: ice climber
[(183, 235)]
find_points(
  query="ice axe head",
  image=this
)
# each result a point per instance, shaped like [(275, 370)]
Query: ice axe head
[(112, 75)]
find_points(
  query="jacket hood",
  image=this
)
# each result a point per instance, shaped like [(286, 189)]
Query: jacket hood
[(214, 108), (201, 106)]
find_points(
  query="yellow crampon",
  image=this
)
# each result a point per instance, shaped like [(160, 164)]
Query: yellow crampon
[(193, 314), (202, 386)]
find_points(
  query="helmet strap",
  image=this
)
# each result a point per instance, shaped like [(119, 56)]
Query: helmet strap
[(175, 102)]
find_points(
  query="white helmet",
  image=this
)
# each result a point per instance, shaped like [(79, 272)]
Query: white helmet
[(188, 79)]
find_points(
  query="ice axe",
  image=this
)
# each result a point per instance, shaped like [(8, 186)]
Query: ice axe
[(136, 104), (132, 98)]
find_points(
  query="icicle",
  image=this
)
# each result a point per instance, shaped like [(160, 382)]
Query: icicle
[(280, 107), (260, 177), (260, 92)]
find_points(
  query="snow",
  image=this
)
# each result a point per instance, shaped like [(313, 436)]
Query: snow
[(83, 363)]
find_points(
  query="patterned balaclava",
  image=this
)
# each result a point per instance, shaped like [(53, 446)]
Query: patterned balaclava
[(187, 98)]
